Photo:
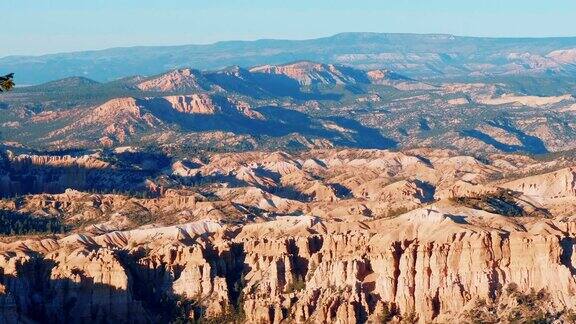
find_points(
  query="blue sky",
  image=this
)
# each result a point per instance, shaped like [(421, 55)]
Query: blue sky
[(48, 26)]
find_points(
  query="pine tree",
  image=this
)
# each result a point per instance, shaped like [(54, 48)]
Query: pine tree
[(6, 82)]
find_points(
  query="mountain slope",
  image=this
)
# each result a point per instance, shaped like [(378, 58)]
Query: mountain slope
[(119, 120)]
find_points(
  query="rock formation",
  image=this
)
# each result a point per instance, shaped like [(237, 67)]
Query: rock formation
[(176, 80), (347, 236), (310, 73)]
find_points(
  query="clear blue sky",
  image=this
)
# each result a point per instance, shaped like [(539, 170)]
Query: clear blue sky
[(49, 26)]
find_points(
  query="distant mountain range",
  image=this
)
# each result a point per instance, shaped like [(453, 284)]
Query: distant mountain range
[(216, 105), (429, 56), (296, 105)]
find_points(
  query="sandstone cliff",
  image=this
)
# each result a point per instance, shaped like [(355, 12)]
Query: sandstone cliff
[(431, 265)]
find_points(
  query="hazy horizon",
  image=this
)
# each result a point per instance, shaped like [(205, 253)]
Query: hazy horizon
[(38, 28), (280, 39)]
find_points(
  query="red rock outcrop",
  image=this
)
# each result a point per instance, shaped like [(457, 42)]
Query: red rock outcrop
[(176, 80)]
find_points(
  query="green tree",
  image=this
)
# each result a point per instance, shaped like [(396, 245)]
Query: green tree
[(6, 82)]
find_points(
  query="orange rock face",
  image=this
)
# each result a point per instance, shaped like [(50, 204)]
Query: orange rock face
[(184, 79)]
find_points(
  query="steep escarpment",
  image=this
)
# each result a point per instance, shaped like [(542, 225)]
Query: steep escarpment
[(311, 73)]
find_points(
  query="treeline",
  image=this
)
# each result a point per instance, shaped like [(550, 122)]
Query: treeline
[(503, 202), (12, 223), (134, 193)]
